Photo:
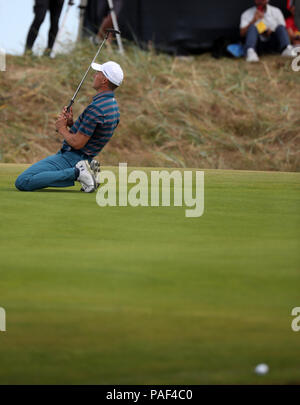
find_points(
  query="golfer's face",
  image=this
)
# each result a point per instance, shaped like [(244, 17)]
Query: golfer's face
[(99, 78)]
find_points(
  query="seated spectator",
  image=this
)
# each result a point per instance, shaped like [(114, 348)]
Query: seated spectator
[(264, 30), (293, 31)]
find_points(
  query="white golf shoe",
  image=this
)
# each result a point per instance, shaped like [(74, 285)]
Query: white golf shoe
[(289, 52), (86, 176), (252, 56), (95, 167)]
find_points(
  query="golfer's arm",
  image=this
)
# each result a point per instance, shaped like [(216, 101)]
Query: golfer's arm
[(77, 141)]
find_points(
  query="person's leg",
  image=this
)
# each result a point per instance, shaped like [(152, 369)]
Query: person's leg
[(54, 171), (40, 10), (55, 12), (252, 38), (103, 16), (280, 39), (107, 21)]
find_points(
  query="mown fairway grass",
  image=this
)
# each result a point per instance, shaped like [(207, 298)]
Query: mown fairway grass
[(146, 296)]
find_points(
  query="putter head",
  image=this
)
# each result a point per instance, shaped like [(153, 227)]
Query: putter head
[(112, 31)]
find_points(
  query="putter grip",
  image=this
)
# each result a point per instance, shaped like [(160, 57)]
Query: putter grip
[(68, 108), (70, 105)]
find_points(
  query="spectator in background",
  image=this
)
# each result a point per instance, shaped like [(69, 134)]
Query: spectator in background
[(107, 20), (40, 9), (293, 31), (263, 27)]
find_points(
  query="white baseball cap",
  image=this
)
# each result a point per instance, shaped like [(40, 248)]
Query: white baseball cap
[(111, 70)]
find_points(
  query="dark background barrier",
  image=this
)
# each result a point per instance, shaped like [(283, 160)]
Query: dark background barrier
[(297, 16), (176, 26)]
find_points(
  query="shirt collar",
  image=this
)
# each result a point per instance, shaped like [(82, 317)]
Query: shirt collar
[(103, 94), (267, 8)]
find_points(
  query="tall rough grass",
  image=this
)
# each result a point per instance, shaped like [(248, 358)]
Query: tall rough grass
[(196, 112)]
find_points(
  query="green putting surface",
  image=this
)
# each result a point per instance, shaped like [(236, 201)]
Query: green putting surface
[(123, 295)]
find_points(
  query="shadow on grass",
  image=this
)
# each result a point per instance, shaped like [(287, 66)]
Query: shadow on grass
[(55, 190), (48, 190)]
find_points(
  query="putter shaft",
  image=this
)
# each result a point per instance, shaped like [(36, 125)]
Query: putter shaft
[(108, 31)]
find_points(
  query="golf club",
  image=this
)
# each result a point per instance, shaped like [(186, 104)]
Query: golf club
[(115, 25), (108, 31)]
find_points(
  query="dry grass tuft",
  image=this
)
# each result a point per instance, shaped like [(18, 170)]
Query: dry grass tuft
[(198, 112)]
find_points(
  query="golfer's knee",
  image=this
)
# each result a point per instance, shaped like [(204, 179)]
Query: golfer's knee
[(22, 183)]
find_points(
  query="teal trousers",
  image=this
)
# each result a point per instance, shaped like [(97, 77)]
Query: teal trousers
[(53, 171)]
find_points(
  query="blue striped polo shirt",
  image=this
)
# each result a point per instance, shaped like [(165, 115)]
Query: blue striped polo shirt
[(98, 121)]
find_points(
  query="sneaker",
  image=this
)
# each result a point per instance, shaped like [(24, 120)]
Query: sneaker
[(28, 52), (95, 166), (86, 176), (252, 56), (47, 52), (289, 52)]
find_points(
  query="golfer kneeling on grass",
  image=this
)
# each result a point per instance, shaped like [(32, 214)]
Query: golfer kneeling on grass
[(83, 141)]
